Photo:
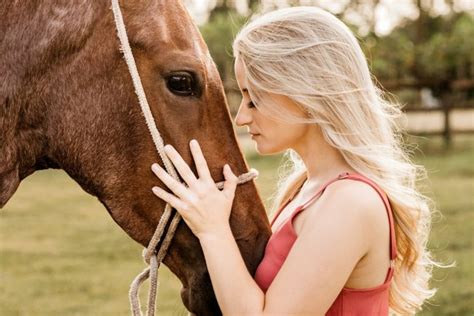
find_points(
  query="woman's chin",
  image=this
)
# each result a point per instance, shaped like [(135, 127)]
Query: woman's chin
[(266, 150), (263, 150), (259, 148)]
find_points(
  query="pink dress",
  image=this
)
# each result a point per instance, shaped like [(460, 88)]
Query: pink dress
[(354, 302)]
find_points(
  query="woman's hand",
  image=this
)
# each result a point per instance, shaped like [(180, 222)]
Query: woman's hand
[(204, 208)]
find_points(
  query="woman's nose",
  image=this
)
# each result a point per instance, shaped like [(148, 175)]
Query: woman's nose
[(244, 115)]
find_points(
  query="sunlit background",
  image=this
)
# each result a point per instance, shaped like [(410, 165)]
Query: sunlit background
[(62, 254)]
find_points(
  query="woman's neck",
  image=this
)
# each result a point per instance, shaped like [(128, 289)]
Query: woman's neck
[(323, 162)]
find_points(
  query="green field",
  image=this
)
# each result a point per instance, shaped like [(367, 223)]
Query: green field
[(61, 253)]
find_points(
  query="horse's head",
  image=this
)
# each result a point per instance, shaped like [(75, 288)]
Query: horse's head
[(76, 102)]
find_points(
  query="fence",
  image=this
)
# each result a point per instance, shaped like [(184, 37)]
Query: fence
[(453, 120), (445, 120)]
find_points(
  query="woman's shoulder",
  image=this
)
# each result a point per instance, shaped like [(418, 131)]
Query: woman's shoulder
[(356, 189), (360, 194), (356, 200), (348, 213)]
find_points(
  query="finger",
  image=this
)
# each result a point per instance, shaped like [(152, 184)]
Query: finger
[(178, 188), (230, 183), (200, 161), (185, 172), (170, 198)]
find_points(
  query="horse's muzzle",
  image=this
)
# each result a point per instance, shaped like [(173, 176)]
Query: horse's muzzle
[(200, 303)]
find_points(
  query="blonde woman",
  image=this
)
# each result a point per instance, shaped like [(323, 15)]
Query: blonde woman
[(350, 233)]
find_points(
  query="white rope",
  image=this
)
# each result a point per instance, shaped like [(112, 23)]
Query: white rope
[(149, 254)]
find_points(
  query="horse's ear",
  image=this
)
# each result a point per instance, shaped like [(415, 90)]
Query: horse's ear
[(9, 181)]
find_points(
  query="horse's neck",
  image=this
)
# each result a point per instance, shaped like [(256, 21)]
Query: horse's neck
[(38, 40), (39, 33)]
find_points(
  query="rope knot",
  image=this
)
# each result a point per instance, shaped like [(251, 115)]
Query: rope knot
[(147, 254)]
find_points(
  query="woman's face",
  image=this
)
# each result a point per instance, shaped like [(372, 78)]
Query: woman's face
[(271, 136)]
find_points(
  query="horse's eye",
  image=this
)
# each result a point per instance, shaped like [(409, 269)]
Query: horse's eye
[(182, 84)]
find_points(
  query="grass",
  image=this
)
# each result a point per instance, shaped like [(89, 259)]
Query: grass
[(62, 254)]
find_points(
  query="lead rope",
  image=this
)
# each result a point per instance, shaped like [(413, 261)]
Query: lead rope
[(150, 256)]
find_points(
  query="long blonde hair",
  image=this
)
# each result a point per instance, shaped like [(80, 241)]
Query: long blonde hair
[(313, 58)]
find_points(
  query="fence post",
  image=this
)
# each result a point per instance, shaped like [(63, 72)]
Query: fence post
[(447, 126)]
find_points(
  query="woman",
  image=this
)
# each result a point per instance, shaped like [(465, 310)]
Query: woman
[(350, 233)]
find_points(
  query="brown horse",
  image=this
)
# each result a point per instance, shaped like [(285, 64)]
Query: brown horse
[(67, 101)]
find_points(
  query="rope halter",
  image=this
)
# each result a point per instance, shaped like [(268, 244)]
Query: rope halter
[(150, 255)]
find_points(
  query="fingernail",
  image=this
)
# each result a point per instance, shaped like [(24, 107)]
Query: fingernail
[(194, 142), (155, 167), (155, 189)]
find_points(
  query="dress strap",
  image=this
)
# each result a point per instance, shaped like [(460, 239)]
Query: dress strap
[(357, 177), (388, 208), (301, 207), (343, 175)]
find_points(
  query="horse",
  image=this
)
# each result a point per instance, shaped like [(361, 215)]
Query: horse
[(68, 102)]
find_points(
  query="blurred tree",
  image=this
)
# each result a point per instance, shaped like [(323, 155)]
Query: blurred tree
[(425, 50), (219, 32), (432, 52), (221, 7)]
